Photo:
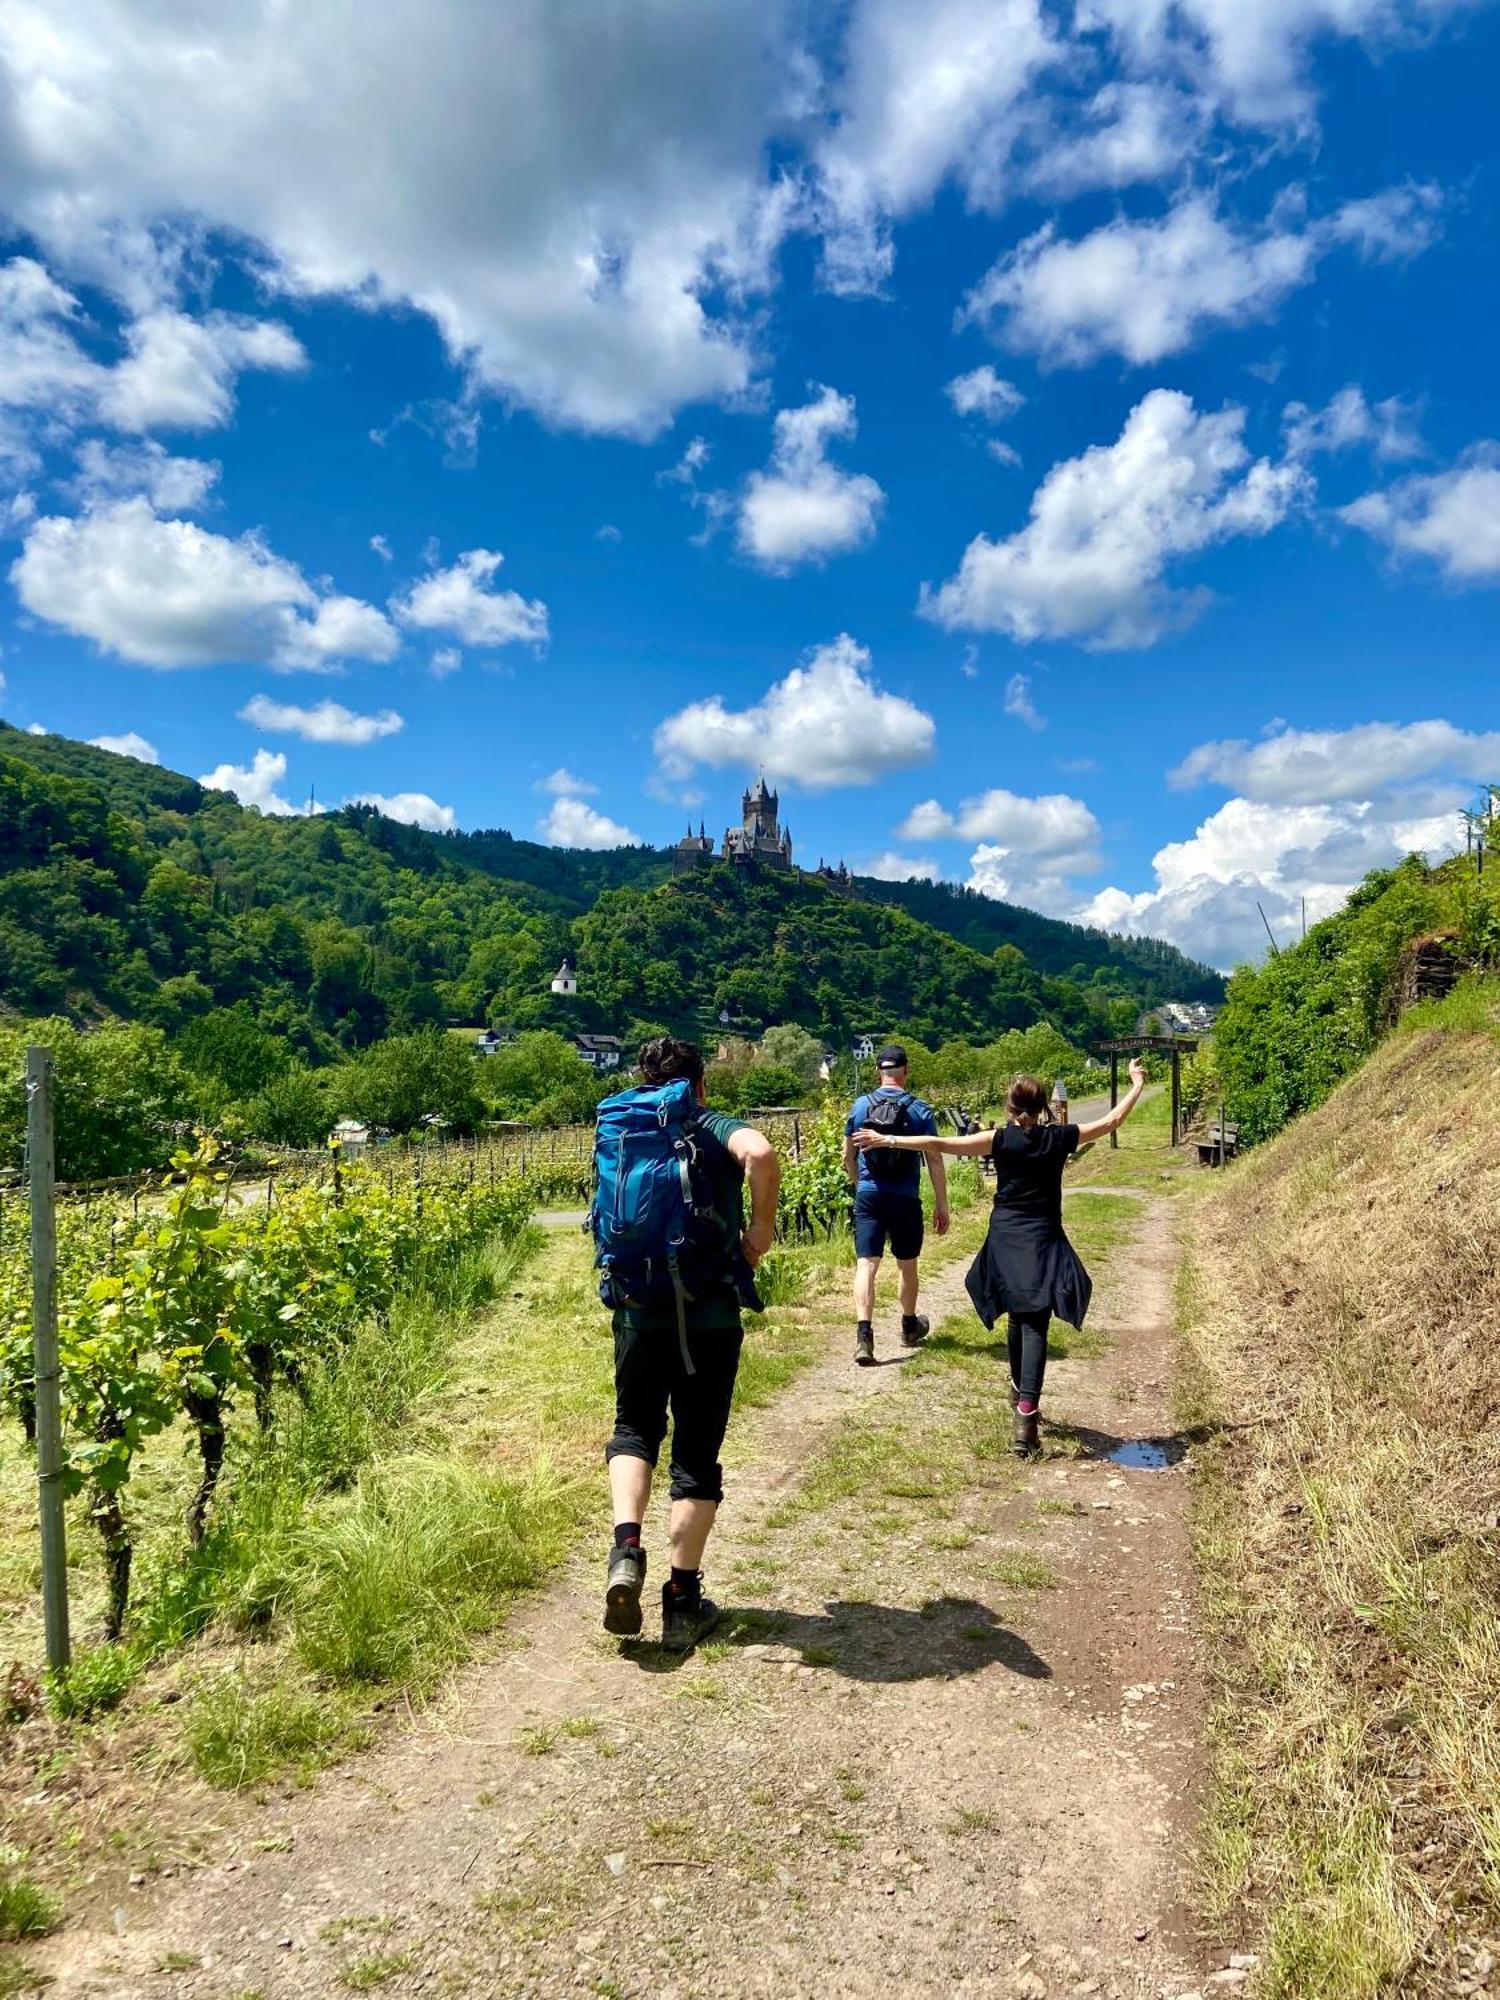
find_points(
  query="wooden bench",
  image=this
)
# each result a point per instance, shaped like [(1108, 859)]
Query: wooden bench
[(1216, 1145)]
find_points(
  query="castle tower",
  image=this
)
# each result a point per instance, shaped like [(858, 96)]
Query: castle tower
[(692, 850), (759, 839)]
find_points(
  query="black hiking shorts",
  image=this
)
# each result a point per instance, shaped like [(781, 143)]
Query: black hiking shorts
[(650, 1381)]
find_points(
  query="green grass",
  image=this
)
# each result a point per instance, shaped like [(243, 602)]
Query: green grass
[(242, 1727), (26, 1909), (16, 1977), (96, 1680), (393, 1580), (1144, 1157), (1472, 1008), (339, 1928), (1019, 1570), (364, 1974)]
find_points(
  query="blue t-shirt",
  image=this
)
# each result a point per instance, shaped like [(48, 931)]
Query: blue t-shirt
[(903, 1175)]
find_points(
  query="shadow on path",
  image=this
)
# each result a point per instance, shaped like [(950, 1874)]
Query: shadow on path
[(946, 1637)]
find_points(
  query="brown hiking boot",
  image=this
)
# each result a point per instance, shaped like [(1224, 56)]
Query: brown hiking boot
[(1026, 1434)]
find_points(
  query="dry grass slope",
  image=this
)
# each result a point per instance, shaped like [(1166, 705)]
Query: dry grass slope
[(1342, 1305)]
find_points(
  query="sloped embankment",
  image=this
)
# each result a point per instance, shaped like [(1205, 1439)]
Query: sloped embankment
[(1344, 1328)]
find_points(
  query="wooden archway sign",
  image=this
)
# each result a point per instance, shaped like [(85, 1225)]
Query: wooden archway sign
[(1176, 1046)]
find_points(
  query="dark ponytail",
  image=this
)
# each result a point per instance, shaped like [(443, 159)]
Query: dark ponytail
[(1027, 1098)]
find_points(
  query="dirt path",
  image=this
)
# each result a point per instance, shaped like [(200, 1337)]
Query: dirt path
[(947, 1745)]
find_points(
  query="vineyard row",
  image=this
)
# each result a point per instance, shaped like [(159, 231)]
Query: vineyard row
[(202, 1295)]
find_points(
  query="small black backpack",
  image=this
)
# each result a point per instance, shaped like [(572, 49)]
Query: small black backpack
[(891, 1117)]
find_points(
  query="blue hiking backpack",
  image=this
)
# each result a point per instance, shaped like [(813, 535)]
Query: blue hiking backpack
[(655, 1232)]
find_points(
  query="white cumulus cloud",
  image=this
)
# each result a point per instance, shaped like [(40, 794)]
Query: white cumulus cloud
[(254, 784), (1028, 849), (1128, 132), (1253, 56), (411, 808), (827, 723), (1348, 420), (925, 94), (1054, 825), (1019, 702), (42, 366), (460, 600), (983, 393), (170, 594), (1452, 517), (119, 472), (562, 784), (1090, 564), (578, 198), (893, 867), (1317, 766), (1145, 288), (572, 823), (179, 372), (131, 744), (1248, 853), (1314, 811), (326, 722), (805, 509)]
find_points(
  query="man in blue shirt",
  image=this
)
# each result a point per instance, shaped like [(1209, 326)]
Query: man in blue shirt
[(888, 1199)]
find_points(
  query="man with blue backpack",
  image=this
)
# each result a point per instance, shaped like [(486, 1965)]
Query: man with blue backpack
[(677, 1263), (888, 1199)]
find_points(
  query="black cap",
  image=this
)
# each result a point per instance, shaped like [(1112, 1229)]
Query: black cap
[(892, 1056)]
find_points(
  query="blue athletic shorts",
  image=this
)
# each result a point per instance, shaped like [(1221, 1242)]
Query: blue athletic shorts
[(887, 1213)]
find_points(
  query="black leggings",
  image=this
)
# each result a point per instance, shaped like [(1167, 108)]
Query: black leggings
[(1027, 1334), (650, 1378)]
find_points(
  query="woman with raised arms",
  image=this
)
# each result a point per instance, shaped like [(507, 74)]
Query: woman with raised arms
[(1027, 1268)]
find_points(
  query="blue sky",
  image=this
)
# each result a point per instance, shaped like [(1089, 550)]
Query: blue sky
[(1058, 443)]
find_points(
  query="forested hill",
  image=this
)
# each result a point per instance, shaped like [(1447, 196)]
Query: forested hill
[(129, 890), (763, 946), (1157, 971)]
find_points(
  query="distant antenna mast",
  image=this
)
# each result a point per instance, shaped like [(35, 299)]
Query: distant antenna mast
[(312, 801), (1304, 916), (1275, 947)]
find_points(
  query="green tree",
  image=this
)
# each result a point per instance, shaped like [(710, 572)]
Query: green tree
[(541, 1077), (231, 1047), (793, 1048), (398, 1083), (119, 1091), (766, 1084), (292, 1110)]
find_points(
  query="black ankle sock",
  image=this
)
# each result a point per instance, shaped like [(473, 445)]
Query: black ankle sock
[(687, 1584), (909, 1320), (627, 1532), (864, 1326)]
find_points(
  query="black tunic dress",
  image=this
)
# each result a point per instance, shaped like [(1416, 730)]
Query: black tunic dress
[(1027, 1263)]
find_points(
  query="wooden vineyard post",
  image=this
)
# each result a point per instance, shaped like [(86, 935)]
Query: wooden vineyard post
[(41, 1175), (1176, 1095), (1114, 1091)]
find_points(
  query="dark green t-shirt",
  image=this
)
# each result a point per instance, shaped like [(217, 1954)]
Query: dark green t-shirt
[(719, 1308)]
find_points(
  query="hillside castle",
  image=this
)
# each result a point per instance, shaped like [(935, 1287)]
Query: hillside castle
[(759, 841)]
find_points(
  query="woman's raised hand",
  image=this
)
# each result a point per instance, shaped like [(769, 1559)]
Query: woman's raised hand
[(1137, 1071)]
